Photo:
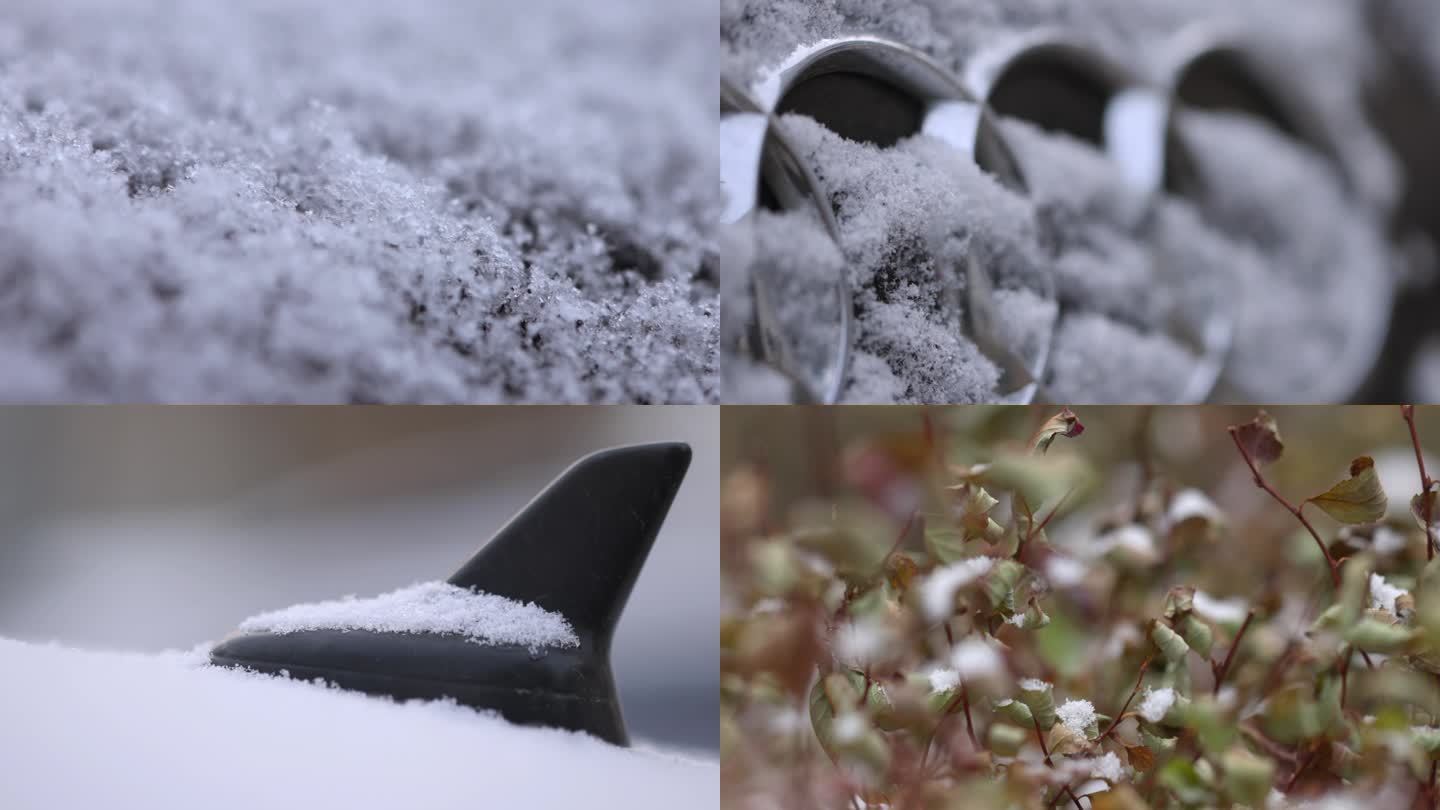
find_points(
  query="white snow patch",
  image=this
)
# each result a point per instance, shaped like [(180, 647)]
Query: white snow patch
[(427, 607), (974, 658), (1077, 714), (850, 727), (864, 642), (1157, 702), (166, 729), (1224, 611), (937, 594), (943, 680), (1387, 541), (1192, 503), (1107, 767), (1383, 594), (1065, 572), (1034, 685)]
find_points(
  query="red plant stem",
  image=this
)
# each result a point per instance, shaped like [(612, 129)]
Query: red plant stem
[(1044, 749), (1280, 499), (1408, 412), (1230, 656), (1305, 763), (969, 724), (1115, 721)]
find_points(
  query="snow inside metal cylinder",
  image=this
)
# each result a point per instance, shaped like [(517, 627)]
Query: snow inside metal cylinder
[(1143, 318), (786, 319), (1315, 274), (953, 301)]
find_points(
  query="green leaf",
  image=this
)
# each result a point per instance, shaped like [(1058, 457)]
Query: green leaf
[(1357, 499), (1376, 636), (1247, 777), (1185, 780), (1197, 634), (1005, 739), (1261, 439), (1040, 699), (1171, 645)]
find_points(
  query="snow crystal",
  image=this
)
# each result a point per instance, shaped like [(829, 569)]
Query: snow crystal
[(1156, 703), (1034, 685), (942, 679), (1383, 594), (318, 201), (1077, 714), (1224, 611), (974, 658), (937, 595), (187, 729), (429, 607)]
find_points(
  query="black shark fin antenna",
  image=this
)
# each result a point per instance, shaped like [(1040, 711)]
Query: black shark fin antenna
[(577, 548)]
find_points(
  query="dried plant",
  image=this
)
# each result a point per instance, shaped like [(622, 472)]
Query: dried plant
[(909, 635)]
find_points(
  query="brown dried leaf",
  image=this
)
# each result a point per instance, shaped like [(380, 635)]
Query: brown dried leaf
[(1065, 423), (1141, 758), (1261, 439), (1357, 499), (1426, 507)]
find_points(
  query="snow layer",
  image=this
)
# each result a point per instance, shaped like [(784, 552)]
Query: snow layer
[(1156, 703), (427, 607), (167, 732), (362, 201), (1077, 714)]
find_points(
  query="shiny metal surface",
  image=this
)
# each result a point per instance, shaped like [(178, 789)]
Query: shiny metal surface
[(1216, 67), (1061, 85), (754, 156)]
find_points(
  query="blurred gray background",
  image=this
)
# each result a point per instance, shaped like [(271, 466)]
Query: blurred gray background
[(151, 528)]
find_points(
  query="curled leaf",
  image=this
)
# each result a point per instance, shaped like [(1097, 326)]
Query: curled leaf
[(1171, 645), (1260, 438), (1357, 499), (1065, 423), (1426, 507)]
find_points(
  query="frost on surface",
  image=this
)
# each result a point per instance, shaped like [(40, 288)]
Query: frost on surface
[(429, 607), (167, 729), (366, 201)]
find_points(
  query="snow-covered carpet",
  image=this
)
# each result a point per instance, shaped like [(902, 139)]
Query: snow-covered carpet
[(91, 729), (358, 200)]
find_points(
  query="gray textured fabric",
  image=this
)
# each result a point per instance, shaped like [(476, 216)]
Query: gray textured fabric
[(358, 200)]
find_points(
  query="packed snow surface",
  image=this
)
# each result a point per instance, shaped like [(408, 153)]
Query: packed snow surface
[(168, 732), (427, 607), (361, 201)]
